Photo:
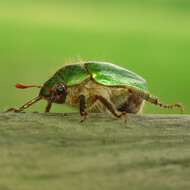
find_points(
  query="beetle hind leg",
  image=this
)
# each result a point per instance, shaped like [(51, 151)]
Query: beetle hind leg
[(156, 101), (109, 106), (133, 104), (106, 103)]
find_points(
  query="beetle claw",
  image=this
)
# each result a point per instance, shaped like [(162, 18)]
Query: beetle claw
[(83, 116), (124, 116)]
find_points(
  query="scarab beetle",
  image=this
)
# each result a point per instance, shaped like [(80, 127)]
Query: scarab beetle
[(95, 86)]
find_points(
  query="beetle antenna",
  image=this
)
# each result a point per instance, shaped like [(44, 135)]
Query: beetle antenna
[(26, 105), (23, 86)]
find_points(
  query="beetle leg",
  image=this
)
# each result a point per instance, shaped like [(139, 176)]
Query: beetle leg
[(156, 101), (25, 106), (48, 107), (13, 110), (109, 106), (133, 104), (82, 103)]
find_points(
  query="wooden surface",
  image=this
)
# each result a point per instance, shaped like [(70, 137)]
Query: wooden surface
[(56, 151)]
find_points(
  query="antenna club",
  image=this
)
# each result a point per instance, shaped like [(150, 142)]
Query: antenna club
[(22, 86)]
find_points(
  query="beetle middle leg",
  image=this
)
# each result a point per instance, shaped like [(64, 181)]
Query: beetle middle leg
[(26, 105), (82, 102)]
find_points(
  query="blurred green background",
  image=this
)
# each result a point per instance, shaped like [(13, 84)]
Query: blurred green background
[(150, 37)]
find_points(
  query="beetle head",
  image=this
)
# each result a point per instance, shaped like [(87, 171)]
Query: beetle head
[(55, 94), (58, 93)]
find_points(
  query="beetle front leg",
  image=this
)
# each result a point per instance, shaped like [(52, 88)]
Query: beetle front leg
[(25, 106), (48, 107), (82, 102), (13, 110)]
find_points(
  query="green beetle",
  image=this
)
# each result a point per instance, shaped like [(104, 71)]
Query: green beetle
[(95, 86)]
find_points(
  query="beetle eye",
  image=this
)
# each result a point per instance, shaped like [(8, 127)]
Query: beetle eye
[(60, 89)]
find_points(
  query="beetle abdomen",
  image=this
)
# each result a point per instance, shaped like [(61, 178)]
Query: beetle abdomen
[(116, 96)]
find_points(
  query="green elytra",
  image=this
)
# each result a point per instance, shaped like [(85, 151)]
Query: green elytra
[(96, 86), (102, 72)]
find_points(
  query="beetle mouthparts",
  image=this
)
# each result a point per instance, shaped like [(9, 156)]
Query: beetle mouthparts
[(22, 86)]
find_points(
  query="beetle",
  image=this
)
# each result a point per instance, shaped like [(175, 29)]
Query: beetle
[(94, 86)]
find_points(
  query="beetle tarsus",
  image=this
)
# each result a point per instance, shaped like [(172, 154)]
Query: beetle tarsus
[(83, 116), (25, 106), (124, 116), (13, 110), (156, 101), (172, 106)]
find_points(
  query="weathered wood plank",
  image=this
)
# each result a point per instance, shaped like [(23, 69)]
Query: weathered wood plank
[(56, 151)]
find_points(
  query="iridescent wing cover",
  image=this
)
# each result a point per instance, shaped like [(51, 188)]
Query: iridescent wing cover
[(112, 75)]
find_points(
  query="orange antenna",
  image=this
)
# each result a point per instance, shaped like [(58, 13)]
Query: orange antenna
[(22, 86)]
